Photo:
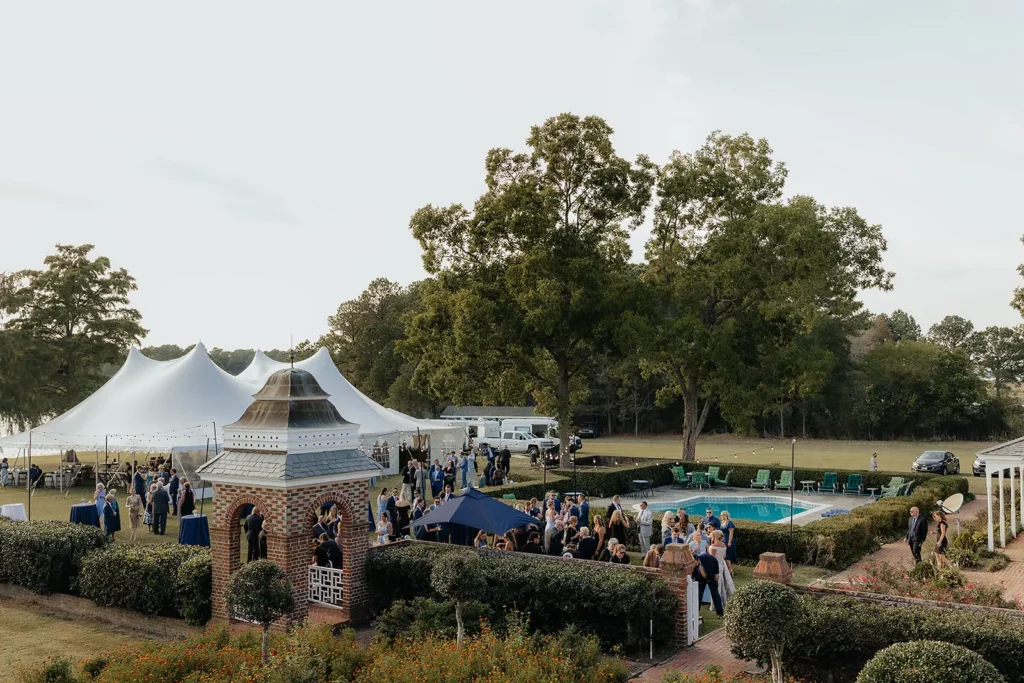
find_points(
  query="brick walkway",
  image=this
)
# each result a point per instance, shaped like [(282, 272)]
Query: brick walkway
[(711, 649), (714, 648), (1011, 579)]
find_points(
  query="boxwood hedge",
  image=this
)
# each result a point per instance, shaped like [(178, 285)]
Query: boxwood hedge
[(168, 580), (838, 635), (45, 556), (613, 603)]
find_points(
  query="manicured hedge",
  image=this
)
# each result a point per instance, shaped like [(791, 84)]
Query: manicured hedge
[(614, 604), (840, 634), (835, 542), (168, 580), (928, 661), (45, 557)]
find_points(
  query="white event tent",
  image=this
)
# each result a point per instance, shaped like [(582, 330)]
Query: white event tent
[(177, 405)]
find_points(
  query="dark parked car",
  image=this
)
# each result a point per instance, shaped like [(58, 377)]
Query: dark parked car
[(979, 467), (588, 431), (937, 462)]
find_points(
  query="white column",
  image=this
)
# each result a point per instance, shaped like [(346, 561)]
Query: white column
[(988, 506), (1002, 513), (1013, 509)]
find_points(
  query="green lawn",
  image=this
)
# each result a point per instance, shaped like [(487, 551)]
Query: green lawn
[(893, 456), (52, 504)]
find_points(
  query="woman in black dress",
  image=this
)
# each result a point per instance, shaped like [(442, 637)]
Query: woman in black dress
[(188, 500), (617, 526), (941, 539)]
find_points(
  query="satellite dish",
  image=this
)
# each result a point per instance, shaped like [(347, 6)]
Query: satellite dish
[(953, 503)]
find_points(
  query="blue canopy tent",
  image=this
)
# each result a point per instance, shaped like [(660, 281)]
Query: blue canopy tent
[(477, 511)]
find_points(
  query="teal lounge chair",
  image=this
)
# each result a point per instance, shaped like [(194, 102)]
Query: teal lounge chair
[(831, 483), (724, 482), (679, 477), (713, 474), (763, 480), (785, 481), (905, 489), (893, 487), (853, 485), (700, 480)]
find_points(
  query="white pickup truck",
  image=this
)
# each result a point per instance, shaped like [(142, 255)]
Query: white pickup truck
[(524, 442)]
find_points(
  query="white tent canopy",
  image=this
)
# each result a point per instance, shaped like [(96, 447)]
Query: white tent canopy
[(147, 405), (164, 405)]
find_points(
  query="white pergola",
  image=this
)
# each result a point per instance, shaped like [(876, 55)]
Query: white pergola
[(1005, 457)]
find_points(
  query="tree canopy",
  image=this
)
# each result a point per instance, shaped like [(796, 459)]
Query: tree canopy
[(526, 282), (62, 326)]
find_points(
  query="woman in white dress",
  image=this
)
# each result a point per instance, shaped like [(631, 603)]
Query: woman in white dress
[(725, 585)]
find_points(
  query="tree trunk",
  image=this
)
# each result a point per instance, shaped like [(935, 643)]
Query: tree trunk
[(459, 632), (782, 420), (564, 416), (776, 658), (266, 641), (693, 422), (803, 419)]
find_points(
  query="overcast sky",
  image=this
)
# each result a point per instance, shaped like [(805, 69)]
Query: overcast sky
[(255, 164)]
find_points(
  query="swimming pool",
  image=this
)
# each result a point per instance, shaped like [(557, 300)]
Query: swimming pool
[(753, 508)]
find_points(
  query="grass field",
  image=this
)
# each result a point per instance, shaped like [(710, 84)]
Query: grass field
[(893, 456), (30, 637)]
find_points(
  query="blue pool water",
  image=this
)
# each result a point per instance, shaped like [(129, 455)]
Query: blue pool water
[(754, 508)]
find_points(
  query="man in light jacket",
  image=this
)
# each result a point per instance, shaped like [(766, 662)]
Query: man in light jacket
[(645, 521)]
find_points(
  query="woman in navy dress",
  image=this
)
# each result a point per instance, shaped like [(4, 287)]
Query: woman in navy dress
[(729, 531), (109, 518)]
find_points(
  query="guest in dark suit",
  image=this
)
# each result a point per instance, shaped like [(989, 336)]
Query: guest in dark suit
[(172, 489), (706, 576), (320, 528), (253, 527), (161, 506), (421, 509), (917, 531), (139, 483), (616, 505), (584, 511)]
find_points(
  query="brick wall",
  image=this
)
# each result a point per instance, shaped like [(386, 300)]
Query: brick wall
[(288, 521)]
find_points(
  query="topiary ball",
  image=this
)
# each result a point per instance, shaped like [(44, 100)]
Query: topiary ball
[(928, 661)]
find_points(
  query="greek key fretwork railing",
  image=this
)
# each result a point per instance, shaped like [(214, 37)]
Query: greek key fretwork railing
[(325, 585)]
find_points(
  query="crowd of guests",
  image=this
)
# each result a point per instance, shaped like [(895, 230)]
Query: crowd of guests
[(156, 492)]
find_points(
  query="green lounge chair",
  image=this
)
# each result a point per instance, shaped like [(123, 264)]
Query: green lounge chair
[(508, 496), (853, 485), (700, 479), (724, 482), (763, 480), (893, 487), (905, 489), (713, 474), (785, 481), (679, 477), (831, 483)]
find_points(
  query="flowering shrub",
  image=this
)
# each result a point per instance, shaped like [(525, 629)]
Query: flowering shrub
[(313, 654), (943, 586)]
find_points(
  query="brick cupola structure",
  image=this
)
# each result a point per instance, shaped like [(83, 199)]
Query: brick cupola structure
[(292, 456)]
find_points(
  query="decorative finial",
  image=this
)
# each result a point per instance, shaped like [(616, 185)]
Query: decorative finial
[(291, 345)]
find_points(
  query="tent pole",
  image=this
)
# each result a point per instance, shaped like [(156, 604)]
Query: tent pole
[(29, 477), (205, 460)]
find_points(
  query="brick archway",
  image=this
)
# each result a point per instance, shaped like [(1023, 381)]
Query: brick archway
[(354, 546), (228, 519)]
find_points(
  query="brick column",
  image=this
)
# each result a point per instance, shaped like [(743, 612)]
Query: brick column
[(676, 566)]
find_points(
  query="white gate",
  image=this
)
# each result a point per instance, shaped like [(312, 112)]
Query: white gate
[(692, 611), (325, 585)]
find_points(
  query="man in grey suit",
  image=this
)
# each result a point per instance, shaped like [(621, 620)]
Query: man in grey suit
[(917, 531), (161, 506)]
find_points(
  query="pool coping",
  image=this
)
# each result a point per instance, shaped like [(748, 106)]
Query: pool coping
[(815, 508)]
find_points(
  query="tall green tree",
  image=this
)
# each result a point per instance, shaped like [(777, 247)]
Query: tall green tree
[(726, 255), (527, 282), (902, 326), (1000, 355), (954, 332), (67, 322)]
